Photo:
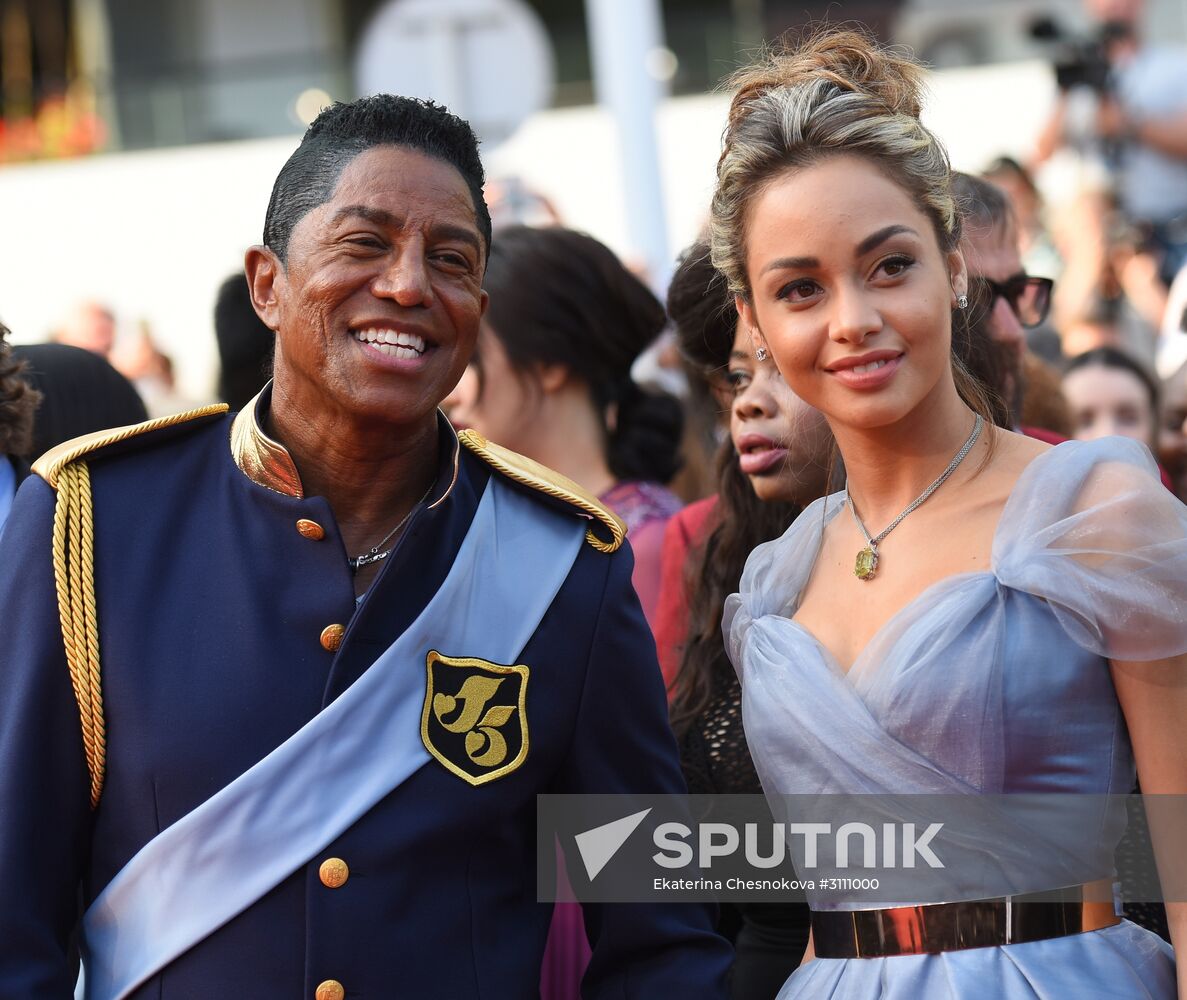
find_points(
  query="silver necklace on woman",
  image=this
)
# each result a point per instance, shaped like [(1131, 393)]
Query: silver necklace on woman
[(866, 564), (374, 555)]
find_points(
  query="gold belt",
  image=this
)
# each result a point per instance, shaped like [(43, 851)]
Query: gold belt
[(976, 923)]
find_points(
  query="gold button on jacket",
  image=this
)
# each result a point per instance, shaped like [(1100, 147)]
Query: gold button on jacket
[(331, 637), (311, 530), (333, 873), (331, 989)]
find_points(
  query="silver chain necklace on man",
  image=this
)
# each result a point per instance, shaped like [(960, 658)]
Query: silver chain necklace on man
[(374, 555), (866, 564)]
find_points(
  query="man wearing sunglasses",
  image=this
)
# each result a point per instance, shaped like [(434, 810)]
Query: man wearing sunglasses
[(1022, 300), (1005, 300)]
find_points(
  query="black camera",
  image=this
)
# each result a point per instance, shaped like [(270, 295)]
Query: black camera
[(1081, 61)]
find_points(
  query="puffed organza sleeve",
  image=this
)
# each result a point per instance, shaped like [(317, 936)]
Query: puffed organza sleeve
[(1091, 530), (775, 574)]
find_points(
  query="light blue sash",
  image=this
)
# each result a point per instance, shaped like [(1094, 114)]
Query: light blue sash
[(7, 488), (246, 839)]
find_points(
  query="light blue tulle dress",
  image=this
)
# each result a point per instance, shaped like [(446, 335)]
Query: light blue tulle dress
[(989, 682)]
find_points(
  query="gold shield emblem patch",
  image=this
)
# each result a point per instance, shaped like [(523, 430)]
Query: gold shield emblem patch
[(474, 721)]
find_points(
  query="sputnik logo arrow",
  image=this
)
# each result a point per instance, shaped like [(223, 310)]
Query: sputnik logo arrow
[(599, 845)]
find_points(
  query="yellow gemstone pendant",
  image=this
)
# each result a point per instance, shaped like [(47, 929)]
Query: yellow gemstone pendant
[(866, 564)]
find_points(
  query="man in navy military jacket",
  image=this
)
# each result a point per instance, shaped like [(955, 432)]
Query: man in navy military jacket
[(278, 692)]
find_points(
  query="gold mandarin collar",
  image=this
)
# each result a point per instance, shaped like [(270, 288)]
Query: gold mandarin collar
[(266, 462)]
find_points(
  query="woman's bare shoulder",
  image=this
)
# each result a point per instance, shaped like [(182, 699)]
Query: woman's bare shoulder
[(1013, 452)]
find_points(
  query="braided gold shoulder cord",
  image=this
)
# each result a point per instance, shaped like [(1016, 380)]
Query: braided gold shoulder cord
[(74, 574)]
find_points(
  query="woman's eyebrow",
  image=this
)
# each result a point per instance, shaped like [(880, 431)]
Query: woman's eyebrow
[(864, 247), (881, 236)]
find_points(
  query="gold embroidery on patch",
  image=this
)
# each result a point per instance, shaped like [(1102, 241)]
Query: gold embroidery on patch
[(475, 716)]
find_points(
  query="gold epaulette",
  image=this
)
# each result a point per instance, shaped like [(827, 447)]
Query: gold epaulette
[(49, 465), (522, 469), (66, 471)]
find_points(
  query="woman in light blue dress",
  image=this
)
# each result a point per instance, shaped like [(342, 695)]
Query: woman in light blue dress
[(977, 614)]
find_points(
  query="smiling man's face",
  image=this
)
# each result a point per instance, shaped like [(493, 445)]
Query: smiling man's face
[(378, 304)]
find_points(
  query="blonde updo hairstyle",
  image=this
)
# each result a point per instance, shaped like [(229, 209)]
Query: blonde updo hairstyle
[(835, 93)]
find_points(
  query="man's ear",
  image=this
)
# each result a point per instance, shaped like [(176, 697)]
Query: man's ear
[(749, 322), (958, 276), (265, 273)]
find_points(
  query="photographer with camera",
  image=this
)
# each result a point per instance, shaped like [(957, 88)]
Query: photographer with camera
[(1139, 121)]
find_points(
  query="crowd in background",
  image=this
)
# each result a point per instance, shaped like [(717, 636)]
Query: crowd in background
[(1077, 329)]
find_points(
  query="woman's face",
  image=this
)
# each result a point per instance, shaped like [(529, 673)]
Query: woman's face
[(782, 443), (493, 396), (851, 292), (1105, 400)]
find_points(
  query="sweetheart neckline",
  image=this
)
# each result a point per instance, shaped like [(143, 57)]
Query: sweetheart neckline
[(832, 657), (1025, 474), (1026, 477)]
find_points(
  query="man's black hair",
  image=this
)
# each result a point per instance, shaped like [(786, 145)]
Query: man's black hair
[(343, 131)]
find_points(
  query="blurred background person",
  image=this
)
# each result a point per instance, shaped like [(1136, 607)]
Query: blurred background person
[(1137, 124), (551, 379), (1172, 438), (89, 325), (513, 202), (1005, 302), (703, 321), (1172, 368), (1110, 393), (774, 462), (706, 323), (150, 370), (244, 344), (1171, 354), (1111, 269), (706, 395), (80, 393), (18, 400), (1099, 325)]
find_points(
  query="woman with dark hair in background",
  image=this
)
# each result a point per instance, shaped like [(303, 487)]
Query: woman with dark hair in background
[(18, 400), (551, 379), (1110, 393), (1107, 393), (773, 463)]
